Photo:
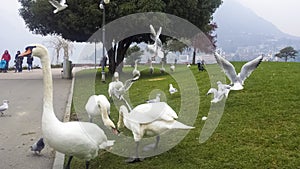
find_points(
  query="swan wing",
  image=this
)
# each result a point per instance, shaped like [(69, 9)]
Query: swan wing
[(227, 67), (249, 67), (147, 113)]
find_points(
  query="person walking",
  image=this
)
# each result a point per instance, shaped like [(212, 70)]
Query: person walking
[(6, 57), (18, 62), (29, 63)]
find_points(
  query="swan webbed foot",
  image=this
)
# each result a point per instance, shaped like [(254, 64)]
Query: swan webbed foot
[(133, 160)]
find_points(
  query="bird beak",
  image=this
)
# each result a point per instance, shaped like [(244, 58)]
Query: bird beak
[(115, 131), (26, 53)]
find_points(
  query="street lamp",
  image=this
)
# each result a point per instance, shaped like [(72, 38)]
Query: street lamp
[(102, 6)]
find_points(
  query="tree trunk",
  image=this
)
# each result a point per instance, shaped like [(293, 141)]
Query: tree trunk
[(114, 64)]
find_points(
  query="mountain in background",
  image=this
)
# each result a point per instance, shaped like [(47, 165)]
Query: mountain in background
[(241, 34)]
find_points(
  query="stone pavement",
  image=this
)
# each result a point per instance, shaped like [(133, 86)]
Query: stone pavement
[(20, 126)]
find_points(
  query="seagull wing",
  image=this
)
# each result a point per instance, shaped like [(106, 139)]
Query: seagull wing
[(55, 3), (152, 31), (227, 67), (158, 33), (63, 2), (249, 67)]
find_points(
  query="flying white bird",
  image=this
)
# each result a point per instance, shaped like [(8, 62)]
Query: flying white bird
[(58, 5), (237, 80), (172, 90), (220, 93), (4, 106), (157, 46), (38, 146), (155, 100)]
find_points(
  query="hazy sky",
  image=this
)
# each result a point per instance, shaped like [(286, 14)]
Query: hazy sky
[(14, 35), (282, 13)]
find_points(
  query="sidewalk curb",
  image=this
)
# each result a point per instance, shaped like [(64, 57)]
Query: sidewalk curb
[(59, 157)]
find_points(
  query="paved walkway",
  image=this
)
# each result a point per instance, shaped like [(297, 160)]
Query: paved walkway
[(20, 127)]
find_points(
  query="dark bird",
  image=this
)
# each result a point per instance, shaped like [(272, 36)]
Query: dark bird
[(38, 146)]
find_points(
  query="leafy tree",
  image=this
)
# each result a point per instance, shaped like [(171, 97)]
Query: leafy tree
[(287, 52), (82, 18)]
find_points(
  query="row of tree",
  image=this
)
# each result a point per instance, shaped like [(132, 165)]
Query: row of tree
[(83, 18)]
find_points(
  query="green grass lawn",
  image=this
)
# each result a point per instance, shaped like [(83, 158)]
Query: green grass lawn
[(260, 126)]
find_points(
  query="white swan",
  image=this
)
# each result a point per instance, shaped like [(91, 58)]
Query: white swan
[(58, 5), (135, 71), (99, 105), (148, 118), (237, 80), (172, 90), (219, 94), (116, 84), (79, 139)]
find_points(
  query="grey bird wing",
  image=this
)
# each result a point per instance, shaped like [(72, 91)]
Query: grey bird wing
[(54, 3), (249, 67), (227, 67)]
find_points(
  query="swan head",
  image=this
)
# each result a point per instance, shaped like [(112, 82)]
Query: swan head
[(107, 122)]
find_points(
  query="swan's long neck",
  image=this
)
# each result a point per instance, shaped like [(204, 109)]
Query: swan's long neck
[(105, 118), (135, 66), (122, 110), (48, 112)]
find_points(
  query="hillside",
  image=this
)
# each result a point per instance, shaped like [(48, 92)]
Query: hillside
[(241, 32)]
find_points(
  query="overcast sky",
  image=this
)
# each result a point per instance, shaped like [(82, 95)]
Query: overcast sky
[(14, 35), (282, 13)]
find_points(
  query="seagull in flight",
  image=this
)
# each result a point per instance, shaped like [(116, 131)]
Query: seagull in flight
[(237, 80), (219, 94), (58, 5), (156, 47), (4, 106), (38, 146)]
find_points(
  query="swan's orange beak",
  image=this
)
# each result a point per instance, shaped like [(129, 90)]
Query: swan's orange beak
[(26, 53)]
